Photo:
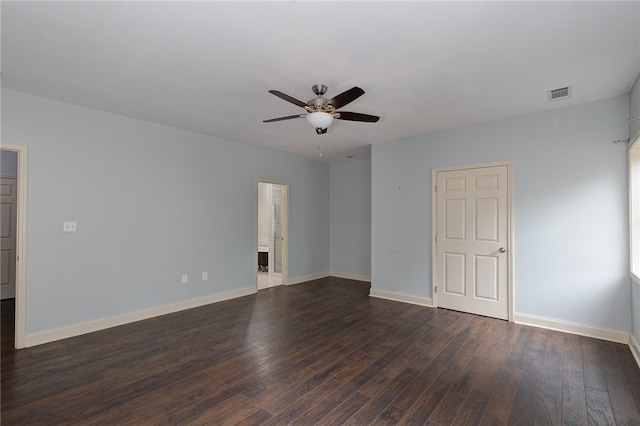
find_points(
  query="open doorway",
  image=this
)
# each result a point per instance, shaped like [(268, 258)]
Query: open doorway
[(14, 231), (8, 228), (271, 234)]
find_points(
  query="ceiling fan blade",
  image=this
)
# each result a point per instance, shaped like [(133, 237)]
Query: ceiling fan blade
[(356, 116), (288, 98), (345, 97), (288, 117)]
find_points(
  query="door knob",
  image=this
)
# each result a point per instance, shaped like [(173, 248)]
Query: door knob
[(502, 249)]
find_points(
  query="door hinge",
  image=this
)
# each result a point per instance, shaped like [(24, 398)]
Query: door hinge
[(435, 188), (435, 290), (435, 239)]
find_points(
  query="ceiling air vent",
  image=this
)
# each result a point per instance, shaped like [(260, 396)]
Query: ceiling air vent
[(561, 93)]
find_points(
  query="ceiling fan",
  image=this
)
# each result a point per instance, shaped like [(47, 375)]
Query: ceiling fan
[(321, 112)]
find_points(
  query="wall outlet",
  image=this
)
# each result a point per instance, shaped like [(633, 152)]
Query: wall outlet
[(69, 227), (205, 276), (185, 279)]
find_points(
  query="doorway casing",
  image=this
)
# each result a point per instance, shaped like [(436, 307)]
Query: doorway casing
[(21, 243), (509, 252)]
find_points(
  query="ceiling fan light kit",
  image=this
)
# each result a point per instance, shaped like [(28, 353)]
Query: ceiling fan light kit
[(321, 111), (319, 120)]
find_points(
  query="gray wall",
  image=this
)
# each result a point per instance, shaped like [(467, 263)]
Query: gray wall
[(151, 203), (570, 209), (154, 202), (350, 213)]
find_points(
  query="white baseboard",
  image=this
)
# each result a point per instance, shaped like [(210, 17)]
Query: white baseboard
[(116, 320), (350, 276), (602, 333), (635, 348), (304, 278), (401, 297)]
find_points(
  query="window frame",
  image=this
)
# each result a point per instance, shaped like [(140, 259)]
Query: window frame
[(634, 208)]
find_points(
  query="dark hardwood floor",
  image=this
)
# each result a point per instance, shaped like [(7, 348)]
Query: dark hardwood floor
[(321, 352)]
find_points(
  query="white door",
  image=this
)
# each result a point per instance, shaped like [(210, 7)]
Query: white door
[(472, 240), (8, 205)]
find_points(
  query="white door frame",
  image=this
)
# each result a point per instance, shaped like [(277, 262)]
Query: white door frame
[(285, 230), (434, 262), (21, 243)]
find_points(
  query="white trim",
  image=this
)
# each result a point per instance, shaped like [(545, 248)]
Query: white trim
[(116, 320), (304, 278), (350, 276), (401, 297), (635, 348), (633, 170), (434, 248), (510, 228), (602, 333), (21, 243)]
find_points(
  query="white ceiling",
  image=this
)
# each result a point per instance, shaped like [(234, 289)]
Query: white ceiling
[(425, 66)]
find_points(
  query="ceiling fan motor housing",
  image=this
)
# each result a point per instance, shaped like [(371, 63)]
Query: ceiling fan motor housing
[(319, 104)]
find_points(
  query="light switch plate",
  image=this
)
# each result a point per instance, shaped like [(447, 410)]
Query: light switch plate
[(69, 227)]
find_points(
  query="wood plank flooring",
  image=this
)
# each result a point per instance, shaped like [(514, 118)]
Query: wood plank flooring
[(324, 353)]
